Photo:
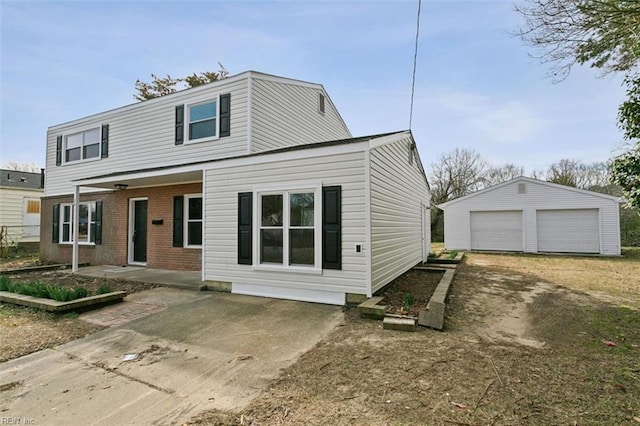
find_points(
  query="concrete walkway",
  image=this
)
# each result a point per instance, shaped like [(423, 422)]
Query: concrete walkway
[(192, 351)]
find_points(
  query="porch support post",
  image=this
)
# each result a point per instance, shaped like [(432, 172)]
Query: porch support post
[(76, 228)]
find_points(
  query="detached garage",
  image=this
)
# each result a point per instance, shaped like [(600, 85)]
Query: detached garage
[(529, 215)]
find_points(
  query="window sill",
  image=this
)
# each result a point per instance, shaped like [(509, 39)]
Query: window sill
[(288, 269), (190, 142), (193, 247), (70, 243), (88, 160)]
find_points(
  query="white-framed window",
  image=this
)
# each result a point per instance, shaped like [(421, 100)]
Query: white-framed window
[(82, 145), (202, 121), (321, 103), (193, 222), (87, 223), (289, 231)]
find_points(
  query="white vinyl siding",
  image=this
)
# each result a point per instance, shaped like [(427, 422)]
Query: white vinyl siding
[(12, 214), (398, 193), (221, 239), (497, 230), (143, 135), (285, 114), (538, 195), (569, 231)]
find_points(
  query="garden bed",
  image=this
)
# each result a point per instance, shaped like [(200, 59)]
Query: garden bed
[(452, 257), (410, 293)]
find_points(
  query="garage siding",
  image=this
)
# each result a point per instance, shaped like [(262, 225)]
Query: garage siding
[(532, 196)]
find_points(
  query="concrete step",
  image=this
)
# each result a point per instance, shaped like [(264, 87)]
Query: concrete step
[(399, 324)]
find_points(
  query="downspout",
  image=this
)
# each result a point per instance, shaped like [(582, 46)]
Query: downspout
[(76, 228)]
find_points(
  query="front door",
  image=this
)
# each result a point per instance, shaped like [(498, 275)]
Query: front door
[(138, 231)]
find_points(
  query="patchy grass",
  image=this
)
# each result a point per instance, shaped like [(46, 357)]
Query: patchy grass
[(609, 277), (25, 330), (362, 374)]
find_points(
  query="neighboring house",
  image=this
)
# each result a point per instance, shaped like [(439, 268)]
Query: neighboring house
[(529, 215), (255, 180), (20, 194)]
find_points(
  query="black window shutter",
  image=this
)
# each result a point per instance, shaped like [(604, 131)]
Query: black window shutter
[(97, 238), (58, 150), (179, 124), (331, 227), (178, 221), (245, 220), (55, 229), (225, 115), (104, 146)]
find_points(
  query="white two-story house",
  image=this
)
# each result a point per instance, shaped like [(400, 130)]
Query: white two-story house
[(254, 180)]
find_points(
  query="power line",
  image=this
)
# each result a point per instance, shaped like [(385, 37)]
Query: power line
[(415, 62)]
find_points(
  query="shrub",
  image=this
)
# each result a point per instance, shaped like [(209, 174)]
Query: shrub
[(4, 283), (104, 289), (39, 289), (453, 254)]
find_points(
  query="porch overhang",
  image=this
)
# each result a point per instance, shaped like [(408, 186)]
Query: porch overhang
[(142, 179)]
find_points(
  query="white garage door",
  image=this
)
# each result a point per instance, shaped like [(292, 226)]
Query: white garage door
[(498, 230), (568, 231)]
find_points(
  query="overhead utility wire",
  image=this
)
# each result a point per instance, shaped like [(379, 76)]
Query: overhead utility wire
[(415, 61)]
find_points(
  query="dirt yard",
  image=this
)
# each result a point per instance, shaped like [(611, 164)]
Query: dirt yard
[(528, 340), (25, 330), (519, 348)]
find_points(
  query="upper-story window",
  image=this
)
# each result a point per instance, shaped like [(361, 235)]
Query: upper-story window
[(82, 145), (203, 120), (85, 145)]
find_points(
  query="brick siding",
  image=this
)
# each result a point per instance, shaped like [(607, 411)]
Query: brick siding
[(115, 226)]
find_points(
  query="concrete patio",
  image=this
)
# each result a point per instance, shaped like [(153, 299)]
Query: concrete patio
[(191, 280)]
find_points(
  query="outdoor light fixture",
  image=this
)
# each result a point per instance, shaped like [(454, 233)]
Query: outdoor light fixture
[(120, 186)]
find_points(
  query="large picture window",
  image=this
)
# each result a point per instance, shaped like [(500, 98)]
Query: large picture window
[(87, 223), (287, 228), (82, 145)]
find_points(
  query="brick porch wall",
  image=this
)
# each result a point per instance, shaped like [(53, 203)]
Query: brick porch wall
[(115, 226)]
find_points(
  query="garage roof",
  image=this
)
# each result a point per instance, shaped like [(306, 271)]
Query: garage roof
[(442, 206)]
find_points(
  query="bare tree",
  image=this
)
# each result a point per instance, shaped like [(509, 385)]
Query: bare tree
[(21, 167), (579, 175), (457, 173), (602, 33), (504, 173)]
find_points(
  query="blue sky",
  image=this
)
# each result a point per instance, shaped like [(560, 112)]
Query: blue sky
[(476, 86)]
